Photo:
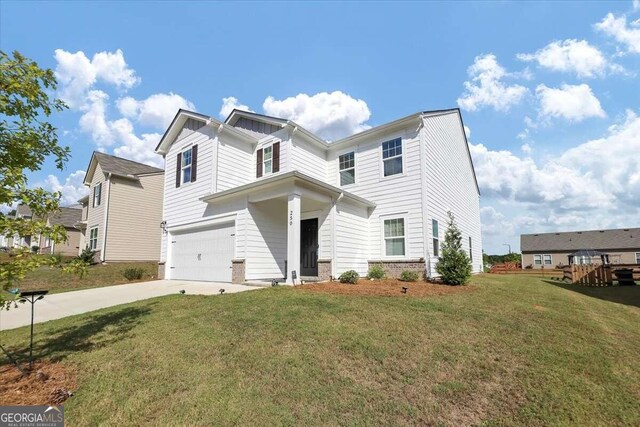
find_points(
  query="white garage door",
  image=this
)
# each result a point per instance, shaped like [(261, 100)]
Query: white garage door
[(203, 254)]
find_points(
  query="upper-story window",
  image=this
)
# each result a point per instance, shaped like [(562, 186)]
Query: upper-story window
[(392, 157), (347, 168), (268, 160), (186, 165), (97, 195)]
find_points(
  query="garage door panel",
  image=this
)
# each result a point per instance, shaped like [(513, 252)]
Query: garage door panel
[(203, 254)]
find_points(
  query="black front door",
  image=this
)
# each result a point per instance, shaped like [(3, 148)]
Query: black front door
[(309, 247)]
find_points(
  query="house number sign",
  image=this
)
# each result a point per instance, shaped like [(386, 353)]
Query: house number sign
[(290, 217)]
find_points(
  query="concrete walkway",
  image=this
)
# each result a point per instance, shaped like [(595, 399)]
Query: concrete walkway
[(65, 304)]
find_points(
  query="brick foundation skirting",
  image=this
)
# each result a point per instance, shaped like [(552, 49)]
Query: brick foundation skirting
[(324, 269), (238, 268), (395, 268)]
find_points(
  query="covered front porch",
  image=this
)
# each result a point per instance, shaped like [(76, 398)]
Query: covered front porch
[(287, 232)]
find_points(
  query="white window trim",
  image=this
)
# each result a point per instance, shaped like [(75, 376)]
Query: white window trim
[(93, 196), (534, 259), (182, 168), (355, 167), (91, 239), (637, 257), (403, 157), (383, 246), (264, 148), (550, 259), (433, 236)]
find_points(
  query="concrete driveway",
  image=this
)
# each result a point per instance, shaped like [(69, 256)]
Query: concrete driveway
[(65, 304)]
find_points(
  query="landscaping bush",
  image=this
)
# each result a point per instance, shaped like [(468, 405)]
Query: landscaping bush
[(376, 272), (409, 276), (35, 249), (87, 255), (133, 273), (56, 258), (454, 266), (350, 276)]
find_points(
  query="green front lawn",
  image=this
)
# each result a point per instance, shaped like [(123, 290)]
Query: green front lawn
[(56, 280), (516, 351)]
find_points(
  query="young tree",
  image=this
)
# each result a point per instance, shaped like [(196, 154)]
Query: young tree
[(26, 141), (454, 266)]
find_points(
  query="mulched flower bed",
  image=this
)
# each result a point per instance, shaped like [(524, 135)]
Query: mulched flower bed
[(47, 384), (385, 287)]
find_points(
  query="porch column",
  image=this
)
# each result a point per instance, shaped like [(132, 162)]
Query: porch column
[(293, 237)]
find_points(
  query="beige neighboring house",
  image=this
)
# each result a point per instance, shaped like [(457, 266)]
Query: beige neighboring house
[(68, 217), (121, 215), (22, 211), (550, 250)]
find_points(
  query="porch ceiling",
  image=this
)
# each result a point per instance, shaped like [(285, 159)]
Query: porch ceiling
[(279, 185)]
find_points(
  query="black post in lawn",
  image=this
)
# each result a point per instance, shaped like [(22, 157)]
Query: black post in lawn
[(32, 297)]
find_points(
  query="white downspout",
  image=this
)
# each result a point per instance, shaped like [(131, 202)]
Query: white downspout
[(106, 218)]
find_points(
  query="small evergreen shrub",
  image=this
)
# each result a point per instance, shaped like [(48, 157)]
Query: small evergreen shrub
[(454, 265), (87, 255), (376, 272), (133, 273), (409, 276), (35, 249), (350, 276)]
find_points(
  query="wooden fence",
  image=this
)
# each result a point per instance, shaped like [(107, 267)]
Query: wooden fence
[(596, 274), (505, 267)]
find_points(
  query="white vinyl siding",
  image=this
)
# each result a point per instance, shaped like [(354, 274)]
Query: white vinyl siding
[(307, 158), (266, 240), (449, 181), (347, 167), (352, 243), (95, 215)]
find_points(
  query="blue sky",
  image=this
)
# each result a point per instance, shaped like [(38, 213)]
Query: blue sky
[(550, 92)]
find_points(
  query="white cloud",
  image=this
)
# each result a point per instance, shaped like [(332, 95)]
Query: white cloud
[(93, 121), (331, 116), (467, 131), (526, 148), (586, 187), (572, 102), (77, 74), (72, 189), (156, 111), (229, 104), (487, 88), (636, 4), (570, 55), (140, 149), (627, 35)]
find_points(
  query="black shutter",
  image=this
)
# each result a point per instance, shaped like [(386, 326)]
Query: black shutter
[(259, 164), (178, 169), (194, 162), (276, 157)]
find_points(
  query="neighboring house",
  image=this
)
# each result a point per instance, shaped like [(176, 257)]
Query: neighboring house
[(22, 211), (550, 250), (67, 217), (257, 198), (121, 215)]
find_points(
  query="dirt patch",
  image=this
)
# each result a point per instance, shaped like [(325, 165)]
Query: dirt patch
[(386, 287), (47, 384)]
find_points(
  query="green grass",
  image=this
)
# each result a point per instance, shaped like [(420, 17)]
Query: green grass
[(56, 280), (516, 351)]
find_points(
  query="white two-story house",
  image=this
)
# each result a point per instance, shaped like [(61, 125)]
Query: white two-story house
[(256, 198)]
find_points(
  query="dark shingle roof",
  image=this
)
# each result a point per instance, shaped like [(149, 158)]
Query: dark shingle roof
[(67, 217), (622, 238), (120, 166)]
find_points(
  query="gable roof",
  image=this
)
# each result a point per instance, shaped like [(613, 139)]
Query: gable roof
[(23, 210), (67, 217), (117, 166), (179, 120), (621, 238)]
